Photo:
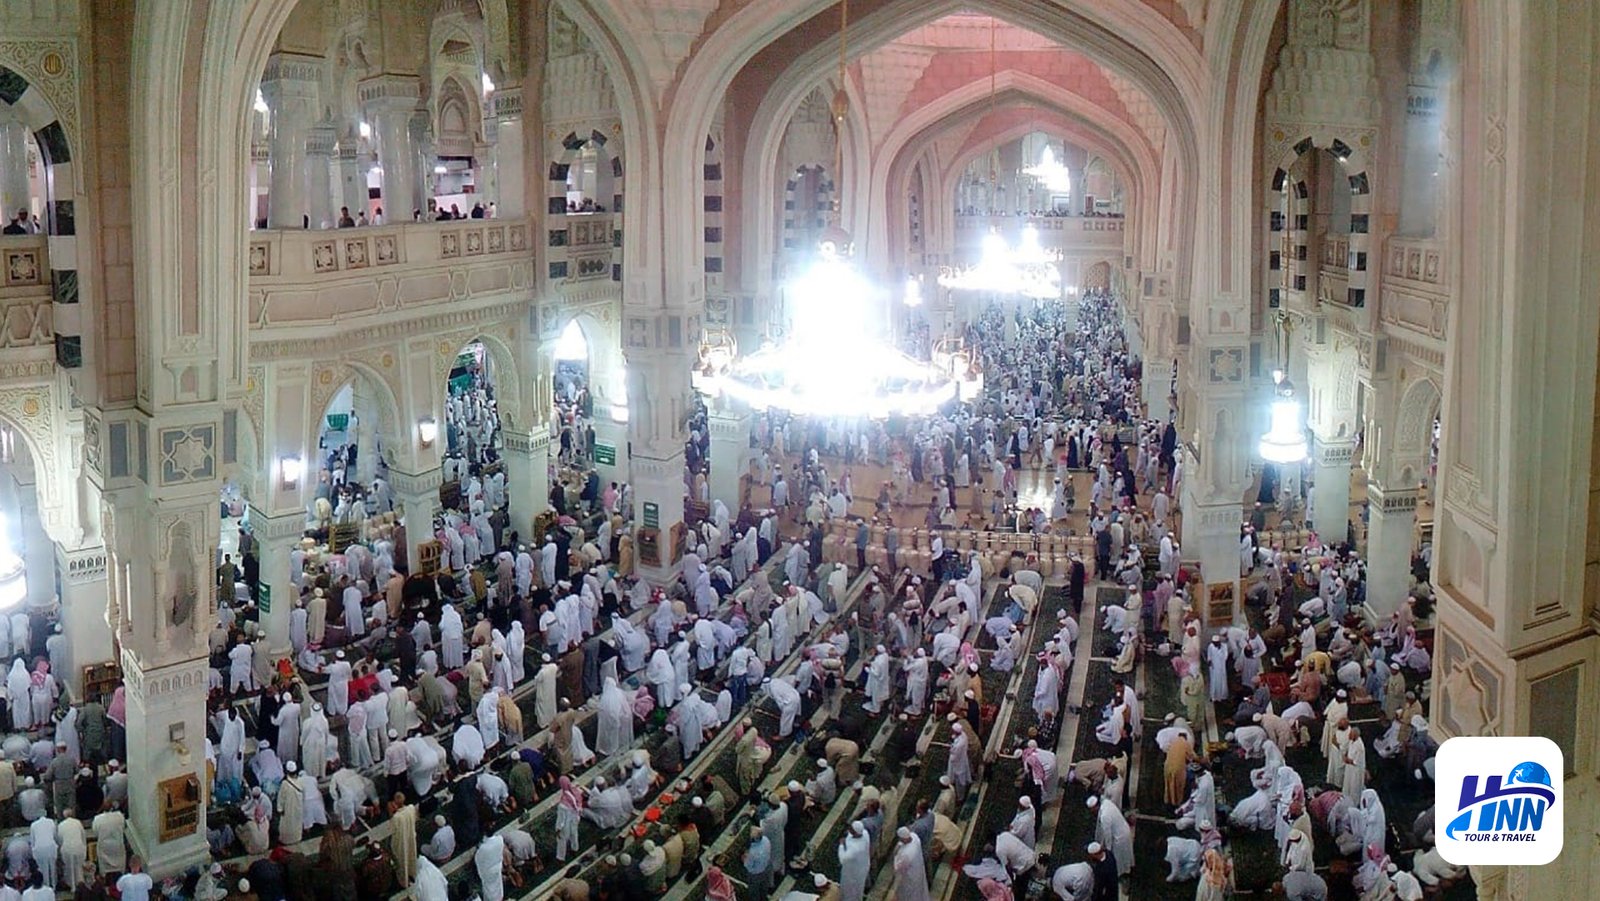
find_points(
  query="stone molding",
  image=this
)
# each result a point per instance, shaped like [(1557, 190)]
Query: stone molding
[(292, 73), (178, 682), (531, 442), (267, 528), (341, 343), (508, 103), (1391, 500), (394, 92), (406, 484), (84, 566), (1338, 452)]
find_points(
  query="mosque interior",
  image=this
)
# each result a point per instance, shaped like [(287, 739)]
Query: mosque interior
[(952, 449)]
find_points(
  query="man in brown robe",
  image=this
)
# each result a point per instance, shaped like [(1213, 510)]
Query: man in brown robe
[(561, 736)]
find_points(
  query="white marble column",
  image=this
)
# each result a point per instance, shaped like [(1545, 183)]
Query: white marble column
[(319, 177), (420, 128), (1391, 527), (390, 100), (527, 457), (13, 167), (1330, 492), (730, 453), (290, 88), (81, 575), (276, 537), (658, 496), (416, 495), (609, 433), (353, 174), (511, 186)]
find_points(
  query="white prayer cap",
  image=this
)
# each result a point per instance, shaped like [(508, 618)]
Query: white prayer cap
[(27, 780), (439, 820), (545, 657), (1256, 718), (1419, 724), (289, 766), (819, 880), (857, 827), (956, 728), (85, 771), (216, 869), (969, 695), (393, 734), (822, 763), (338, 655), (1024, 801), (244, 886), (316, 708), (944, 781), (1093, 802), (263, 744), (794, 786), (903, 833), (882, 649), (697, 801), (1341, 694), (1394, 666), (1169, 718), (1095, 848)]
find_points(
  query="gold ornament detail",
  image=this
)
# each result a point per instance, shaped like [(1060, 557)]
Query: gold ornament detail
[(52, 64), (30, 407)]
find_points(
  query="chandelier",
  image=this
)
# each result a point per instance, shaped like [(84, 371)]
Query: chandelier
[(1285, 438), (1051, 172), (1028, 270), (828, 364)]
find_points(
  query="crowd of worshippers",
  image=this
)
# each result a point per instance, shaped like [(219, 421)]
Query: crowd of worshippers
[(62, 782), (399, 705)]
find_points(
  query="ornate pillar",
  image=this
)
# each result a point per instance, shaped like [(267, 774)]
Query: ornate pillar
[(290, 88), (420, 128), (658, 400), (1216, 466), (390, 100), (160, 554), (81, 575), (730, 453), (319, 177), (510, 191), (1330, 493), (527, 456), (353, 175), (416, 495), (276, 537), (13, 167), (1391, 523)]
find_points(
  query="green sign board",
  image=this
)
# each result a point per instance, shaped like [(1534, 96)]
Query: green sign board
[(652, 516), (265, 592), (338, 421), (605, 454)]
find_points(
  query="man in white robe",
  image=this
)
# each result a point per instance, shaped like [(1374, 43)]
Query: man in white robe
[(788, 701), (855, 863), (339, 685), (878, 681), (314, 744), (1217, 672), (452, 638), (1112, 831), (911, 874), (355, 618)]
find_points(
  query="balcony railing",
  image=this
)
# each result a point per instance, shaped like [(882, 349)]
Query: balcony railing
[(26, 311), (300, 277)]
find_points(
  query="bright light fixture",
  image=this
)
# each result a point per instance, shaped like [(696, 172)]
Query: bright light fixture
[(1285, 440), (913, 296), (290, 469), (572, 347), (1030, 270), (1055, 176), (365, 129), (440, 169), (261, 102), (830, 364), (488, 84), (428, 430)]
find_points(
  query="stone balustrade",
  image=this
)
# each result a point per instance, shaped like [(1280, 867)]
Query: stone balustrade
[(26, 310), (300, 278)]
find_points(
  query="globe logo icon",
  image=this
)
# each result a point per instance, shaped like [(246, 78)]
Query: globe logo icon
[(1529, 773)]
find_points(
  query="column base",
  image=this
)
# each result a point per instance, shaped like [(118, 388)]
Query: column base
[(1391, 527), (84, 597), (527, 456), (167, 763), (1211, 536), (660, 535)]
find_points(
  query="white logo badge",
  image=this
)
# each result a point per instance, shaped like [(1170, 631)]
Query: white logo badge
[(1497, 801)]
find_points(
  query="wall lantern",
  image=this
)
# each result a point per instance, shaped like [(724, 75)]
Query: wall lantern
[(428, 430)]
